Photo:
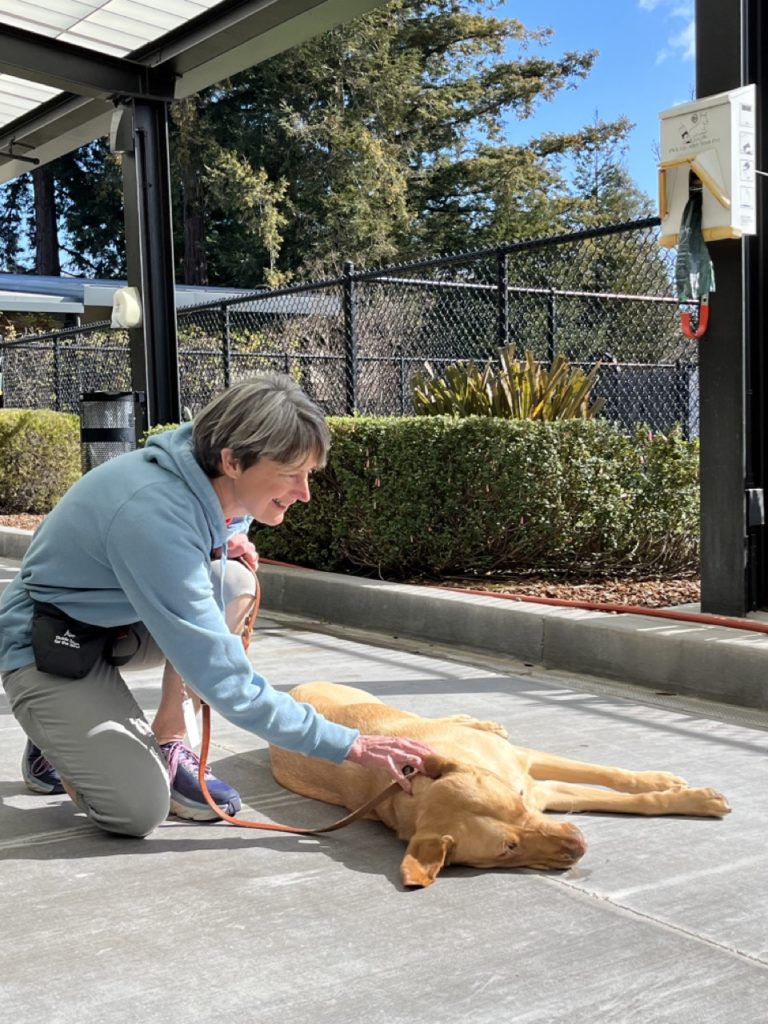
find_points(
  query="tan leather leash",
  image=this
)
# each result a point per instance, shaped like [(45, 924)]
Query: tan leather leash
[(360, 812)]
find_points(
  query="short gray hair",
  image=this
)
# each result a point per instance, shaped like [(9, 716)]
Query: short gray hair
[(264, 417)]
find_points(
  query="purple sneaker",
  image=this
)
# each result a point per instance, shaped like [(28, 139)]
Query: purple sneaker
[(187, 800), (38, 773)]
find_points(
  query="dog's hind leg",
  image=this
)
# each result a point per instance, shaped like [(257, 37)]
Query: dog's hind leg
[(564, 796), (542, 765)]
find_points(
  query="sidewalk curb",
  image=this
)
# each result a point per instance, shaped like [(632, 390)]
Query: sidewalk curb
[(712, 662), (14, 542)]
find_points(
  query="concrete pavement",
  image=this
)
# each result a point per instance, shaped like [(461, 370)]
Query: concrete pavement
[(664, 919)]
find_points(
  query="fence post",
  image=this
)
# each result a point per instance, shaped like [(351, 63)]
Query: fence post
[(551, 326), (502, 298), (57, 374), (226, 346), (350, 338)]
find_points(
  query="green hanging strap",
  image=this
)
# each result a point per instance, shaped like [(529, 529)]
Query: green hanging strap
[(694, 273)]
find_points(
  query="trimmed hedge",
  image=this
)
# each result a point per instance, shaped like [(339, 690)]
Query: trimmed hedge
[(39, 458), (402, 497)]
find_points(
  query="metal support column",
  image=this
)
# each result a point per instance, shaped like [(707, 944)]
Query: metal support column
[(755, 64), (141, 134), (729, 584)]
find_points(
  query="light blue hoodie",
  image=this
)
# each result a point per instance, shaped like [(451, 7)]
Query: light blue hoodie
[(131, 542)]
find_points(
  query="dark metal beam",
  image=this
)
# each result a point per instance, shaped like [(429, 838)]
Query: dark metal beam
[(755, 70), (78, 70), (730, 43), (143, 140), (722, 356)]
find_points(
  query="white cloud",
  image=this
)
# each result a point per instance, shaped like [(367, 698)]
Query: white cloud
[(684, 41), (681, 43)]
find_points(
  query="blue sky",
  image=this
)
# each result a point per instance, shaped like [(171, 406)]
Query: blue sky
[(646, 64)]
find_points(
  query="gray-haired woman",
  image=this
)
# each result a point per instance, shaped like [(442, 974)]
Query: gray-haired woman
[(132, 542)]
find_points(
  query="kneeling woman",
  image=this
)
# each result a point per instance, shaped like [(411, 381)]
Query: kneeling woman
[(130, 569)]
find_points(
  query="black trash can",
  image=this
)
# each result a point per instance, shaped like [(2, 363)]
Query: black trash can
[(107, 426)]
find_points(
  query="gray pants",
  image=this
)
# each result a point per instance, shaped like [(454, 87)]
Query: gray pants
[(95, 734)]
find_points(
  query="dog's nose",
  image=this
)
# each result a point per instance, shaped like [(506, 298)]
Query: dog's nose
[(575, 843)]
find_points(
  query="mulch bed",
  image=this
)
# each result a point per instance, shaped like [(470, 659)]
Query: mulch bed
[(647, 592)]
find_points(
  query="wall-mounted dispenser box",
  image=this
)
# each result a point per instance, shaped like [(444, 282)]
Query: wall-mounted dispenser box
[(710, 141)]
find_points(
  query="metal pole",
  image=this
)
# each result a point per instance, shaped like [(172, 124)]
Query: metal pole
[(350, 338), (502, 298), (724, 353), (57, 374), (141, 134), (227, 346), (755, 70), (551, 327)]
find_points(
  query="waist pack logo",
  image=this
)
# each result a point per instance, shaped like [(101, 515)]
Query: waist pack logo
[(67, 639)]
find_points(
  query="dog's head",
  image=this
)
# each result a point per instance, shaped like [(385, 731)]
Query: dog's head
[(467, 815)]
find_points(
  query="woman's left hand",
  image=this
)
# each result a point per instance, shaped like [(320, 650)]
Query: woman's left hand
[(238, 546)]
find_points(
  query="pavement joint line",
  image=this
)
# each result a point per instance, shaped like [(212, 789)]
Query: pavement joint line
[(679, 930)]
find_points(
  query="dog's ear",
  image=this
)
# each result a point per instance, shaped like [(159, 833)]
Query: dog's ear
[(435, 766), (425, 856)]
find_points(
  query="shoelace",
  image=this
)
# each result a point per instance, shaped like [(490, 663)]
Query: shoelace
[(179, 756), (41, 766)]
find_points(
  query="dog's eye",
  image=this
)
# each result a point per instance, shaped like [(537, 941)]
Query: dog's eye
[(511, 846)]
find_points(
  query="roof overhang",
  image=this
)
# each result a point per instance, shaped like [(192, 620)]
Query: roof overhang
[(228, 38)]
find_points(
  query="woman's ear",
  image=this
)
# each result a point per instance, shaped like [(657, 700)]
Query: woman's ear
[(230, 466)]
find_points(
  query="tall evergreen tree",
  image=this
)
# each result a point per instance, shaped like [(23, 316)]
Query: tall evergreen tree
[(398, 134)]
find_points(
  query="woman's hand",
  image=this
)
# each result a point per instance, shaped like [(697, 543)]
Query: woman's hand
[(238, 546), (395, 754)]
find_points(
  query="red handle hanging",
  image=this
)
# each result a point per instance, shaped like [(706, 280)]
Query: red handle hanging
[(703, 320)]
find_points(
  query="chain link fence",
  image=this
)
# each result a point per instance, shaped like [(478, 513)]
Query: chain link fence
[(605, 295)]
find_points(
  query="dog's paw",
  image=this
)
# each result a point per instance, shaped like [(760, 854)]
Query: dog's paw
[(656, 782), (705, 802), (476, 723)]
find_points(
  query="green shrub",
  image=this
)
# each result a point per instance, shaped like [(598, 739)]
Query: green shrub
[(437, 495), (159, 428), (39, 458)]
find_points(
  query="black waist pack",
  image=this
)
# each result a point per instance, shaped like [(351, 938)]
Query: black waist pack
[(64, 646)]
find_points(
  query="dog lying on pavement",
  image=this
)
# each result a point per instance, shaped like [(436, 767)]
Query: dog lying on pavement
[(480, 800)]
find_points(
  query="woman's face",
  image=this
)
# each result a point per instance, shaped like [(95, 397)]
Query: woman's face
[(265, 490)]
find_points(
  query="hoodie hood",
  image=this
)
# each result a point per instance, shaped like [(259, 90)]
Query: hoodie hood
[(172, 450)]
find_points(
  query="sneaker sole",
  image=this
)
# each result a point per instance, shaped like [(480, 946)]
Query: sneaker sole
[(195, 812), (40, 789)]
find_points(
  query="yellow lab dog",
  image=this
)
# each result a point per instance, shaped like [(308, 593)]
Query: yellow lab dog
[(481, 799)]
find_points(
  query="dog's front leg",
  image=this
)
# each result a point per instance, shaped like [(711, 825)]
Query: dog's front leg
[(565, 796)]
